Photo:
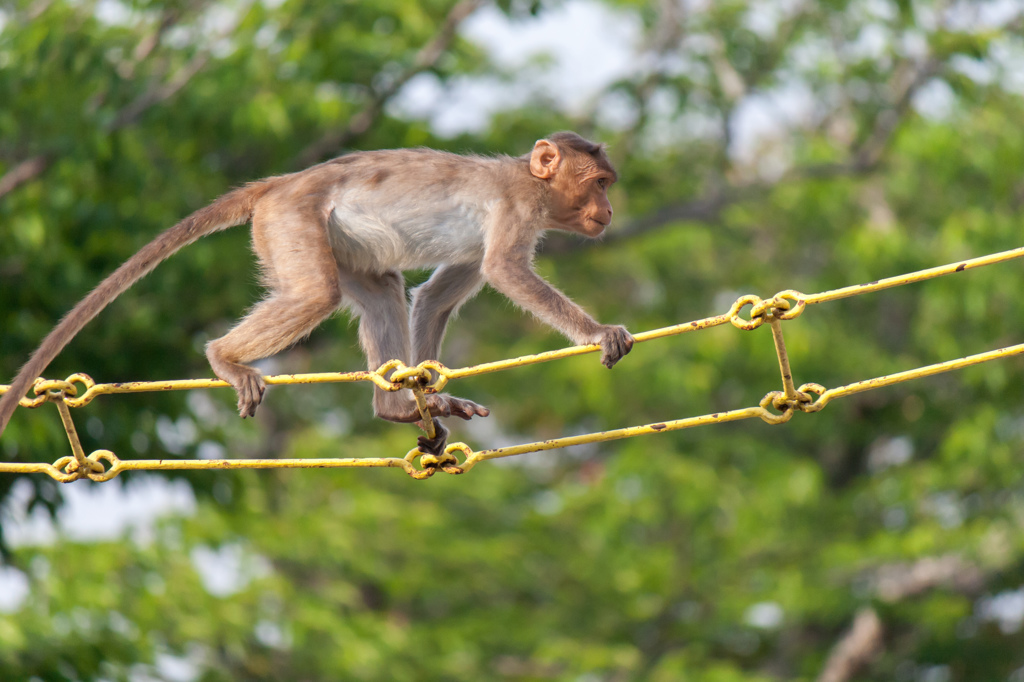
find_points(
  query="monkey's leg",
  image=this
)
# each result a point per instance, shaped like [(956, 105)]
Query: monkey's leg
[(305, 289), (379, 300), (272, 326), (433, 303)]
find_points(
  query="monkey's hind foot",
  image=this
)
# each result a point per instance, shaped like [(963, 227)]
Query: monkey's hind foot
[(250, 388), (444, 405), (435, 445), (247, 381)]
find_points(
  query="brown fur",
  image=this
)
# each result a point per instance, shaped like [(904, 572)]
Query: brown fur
[(339, 234)]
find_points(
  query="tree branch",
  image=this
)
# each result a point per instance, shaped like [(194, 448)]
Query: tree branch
[(131, 113), (35, 166), (664, 36), (333, 141), (861, 644), (871, 151), (863, 159), (168, 20), (29, 169), (899, 581), (708, 209)]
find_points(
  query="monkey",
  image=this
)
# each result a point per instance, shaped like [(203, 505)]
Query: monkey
[(340, 233)]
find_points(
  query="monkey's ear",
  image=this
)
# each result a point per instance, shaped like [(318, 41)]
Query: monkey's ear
[(545, 159)]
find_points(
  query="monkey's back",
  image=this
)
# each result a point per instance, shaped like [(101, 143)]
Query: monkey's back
[(410, 208)]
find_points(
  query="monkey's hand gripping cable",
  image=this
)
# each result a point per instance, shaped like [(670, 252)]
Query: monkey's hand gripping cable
[(776, 407)]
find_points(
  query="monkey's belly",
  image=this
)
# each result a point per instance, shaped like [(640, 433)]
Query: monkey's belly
[(391, 239)]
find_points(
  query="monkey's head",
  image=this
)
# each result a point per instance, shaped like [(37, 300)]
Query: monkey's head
[(579, 174)]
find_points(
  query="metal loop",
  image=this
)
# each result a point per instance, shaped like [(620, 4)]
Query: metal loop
[(59, 471), (33, 403), (411, 377), (86, 396), (61, 390), (791, 311), (379, 378), (68, 468), (435, 385), (57, 390), (444, 461), (734, 313), (88, 466), (431, 464), (785, 305), (766, 308), (403, 376), (809, 403), (804, 402), (779, 401), (54, 389)]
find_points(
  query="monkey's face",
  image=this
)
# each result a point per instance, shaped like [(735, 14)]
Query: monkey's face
[(580, 197), (578, 183)]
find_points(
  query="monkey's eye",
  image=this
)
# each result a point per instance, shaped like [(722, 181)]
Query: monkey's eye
[(602, 183)]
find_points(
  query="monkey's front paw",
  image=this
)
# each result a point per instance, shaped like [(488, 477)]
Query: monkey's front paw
[(435, 445), (615, 343), (250, 394), (443, 405)]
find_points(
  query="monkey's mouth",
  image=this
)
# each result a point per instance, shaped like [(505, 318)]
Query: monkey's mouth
[(595, 220)]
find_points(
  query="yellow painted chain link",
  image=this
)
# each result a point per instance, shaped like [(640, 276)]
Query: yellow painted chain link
[(776, 407)]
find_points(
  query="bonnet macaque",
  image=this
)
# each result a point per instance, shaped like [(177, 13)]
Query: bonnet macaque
[(341, 233)]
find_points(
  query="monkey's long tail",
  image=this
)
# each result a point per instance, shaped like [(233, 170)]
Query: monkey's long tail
[(234, 208)]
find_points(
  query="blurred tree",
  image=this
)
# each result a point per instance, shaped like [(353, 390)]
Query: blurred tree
[(762, 146)]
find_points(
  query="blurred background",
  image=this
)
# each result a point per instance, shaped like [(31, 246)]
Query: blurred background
[(761, 146)]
